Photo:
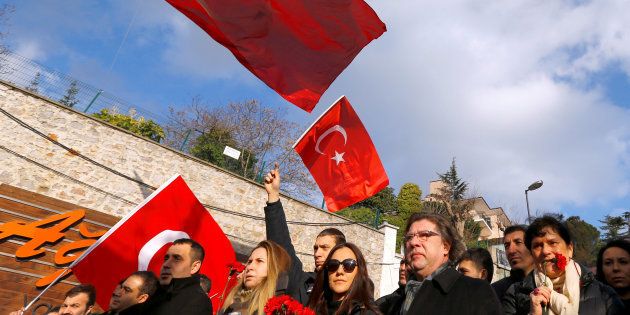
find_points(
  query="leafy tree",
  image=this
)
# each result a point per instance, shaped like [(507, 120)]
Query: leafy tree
[(209, 147), (455, 188), (585, 240), (385, 200), (436, 207), (409, 198), (262, 133), (612, 226), (33, 86), (70, 99), (361, 214), (453, 197), (137, 125), (472, 230), (408, 202)]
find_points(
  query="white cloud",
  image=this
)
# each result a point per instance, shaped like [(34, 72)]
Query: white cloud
[(477, 81), (500, 85), (30, 49)]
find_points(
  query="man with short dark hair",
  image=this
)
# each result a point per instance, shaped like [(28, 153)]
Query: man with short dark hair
[(79, 300), (180, 292), (300, 282), (388, 303), (518, 256), (432, 245), (131, 294), (476, 263)]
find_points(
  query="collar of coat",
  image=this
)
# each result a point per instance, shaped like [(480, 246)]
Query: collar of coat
[(445, 277), (180, 283)]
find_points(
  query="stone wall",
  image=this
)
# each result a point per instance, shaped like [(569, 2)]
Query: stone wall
[(32, 162)]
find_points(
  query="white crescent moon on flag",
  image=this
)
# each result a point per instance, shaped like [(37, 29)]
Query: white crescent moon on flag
[(152, 246), (329, 131)]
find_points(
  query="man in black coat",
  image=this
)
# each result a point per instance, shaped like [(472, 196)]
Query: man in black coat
[(300, 281), (388, 303), (518, 256), (435, 287), (180, 292)]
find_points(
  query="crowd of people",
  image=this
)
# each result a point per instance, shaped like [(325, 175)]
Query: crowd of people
[(437, 275)]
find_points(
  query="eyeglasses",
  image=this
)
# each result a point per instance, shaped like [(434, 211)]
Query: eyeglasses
[(348, 265), (422, 235)]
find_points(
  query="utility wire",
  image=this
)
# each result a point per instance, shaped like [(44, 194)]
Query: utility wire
[(107, 168)]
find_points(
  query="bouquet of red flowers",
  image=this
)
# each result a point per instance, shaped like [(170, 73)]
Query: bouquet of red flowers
[(285, 305)]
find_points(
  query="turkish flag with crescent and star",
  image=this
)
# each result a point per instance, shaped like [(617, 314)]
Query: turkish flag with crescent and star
[(340, 155), (140, 240), (296, 47)]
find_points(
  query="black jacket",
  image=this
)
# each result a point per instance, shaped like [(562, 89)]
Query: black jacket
[(332, 307), (132, 310), (182, 296), (300, 282), (450, 292), (501, 286), (391, 303), (595, 297)]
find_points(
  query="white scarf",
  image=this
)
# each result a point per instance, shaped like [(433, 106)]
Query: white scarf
[(567, 302)]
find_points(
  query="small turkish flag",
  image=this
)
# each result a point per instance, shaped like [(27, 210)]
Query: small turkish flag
[(296, 47), (140, 240), (340, 155)]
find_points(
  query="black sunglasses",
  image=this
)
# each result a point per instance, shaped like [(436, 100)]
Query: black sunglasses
[(348, 265)]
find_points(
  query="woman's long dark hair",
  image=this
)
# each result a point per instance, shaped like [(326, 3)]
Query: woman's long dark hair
[(361, 291)]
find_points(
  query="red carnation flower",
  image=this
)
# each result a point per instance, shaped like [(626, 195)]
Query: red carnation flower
[(560, 261), (285, 305)]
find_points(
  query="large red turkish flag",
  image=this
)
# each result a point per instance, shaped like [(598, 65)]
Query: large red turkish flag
[(340, 155), (297, 47), (140, 240)]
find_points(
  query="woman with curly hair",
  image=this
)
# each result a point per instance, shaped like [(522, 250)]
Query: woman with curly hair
[(267, 264), (613, 268), (343, 286)]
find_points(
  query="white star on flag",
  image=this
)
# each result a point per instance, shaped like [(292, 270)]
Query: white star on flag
[(338, 157)]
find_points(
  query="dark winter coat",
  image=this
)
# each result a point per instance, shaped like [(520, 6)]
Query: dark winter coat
[(596, 298), (450, 292), (182, 296), (332, 307), (391, 303), (300, 282), (501, 286)]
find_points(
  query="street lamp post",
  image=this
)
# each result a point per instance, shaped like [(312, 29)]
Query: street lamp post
[(533, 186)]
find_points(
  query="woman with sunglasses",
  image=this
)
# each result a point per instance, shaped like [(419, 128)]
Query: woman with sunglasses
[(558, 285), (265, 268), (343, 286)]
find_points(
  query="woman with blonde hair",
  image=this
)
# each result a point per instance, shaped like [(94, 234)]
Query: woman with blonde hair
[(266, 267)]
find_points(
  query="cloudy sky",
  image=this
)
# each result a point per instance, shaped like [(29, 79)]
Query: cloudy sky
[(517, 91)]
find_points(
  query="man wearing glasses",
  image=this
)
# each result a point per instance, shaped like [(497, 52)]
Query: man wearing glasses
[(432, 246)]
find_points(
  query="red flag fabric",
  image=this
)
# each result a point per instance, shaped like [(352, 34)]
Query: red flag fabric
[(340, 155), (296, 47), (140, 240)]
